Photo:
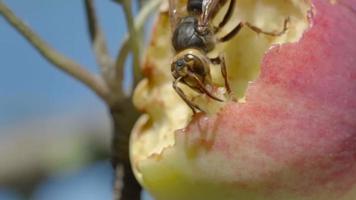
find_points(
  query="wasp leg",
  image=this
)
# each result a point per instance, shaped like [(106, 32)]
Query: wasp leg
[(224, 73), (228, 15), (202, 87), (230, 35), (221, 61), (279, 33), (180, 92)]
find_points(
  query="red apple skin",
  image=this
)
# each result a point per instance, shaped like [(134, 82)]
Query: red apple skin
[(296, 133), (293, 139)]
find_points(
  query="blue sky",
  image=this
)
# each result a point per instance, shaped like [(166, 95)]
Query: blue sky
[(32, 87)]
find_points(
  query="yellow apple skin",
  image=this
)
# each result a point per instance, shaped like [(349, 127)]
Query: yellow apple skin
[(294, 137)]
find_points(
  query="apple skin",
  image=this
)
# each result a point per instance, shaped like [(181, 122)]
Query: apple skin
[(293, 139)]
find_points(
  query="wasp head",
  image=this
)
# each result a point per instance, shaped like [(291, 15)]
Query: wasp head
[(186, 64)]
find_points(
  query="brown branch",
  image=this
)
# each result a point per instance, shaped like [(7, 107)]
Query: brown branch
[(140, 3), (126, 186), (125, 49), (133, 40), (124, 116), (61, 62), (118, 183), (98, 40)]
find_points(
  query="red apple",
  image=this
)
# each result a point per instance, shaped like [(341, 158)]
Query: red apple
[(293, 137)]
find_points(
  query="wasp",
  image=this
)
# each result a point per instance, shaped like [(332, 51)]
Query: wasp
[(194, 36)]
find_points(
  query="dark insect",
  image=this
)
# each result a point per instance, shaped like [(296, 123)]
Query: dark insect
[(193, 37)]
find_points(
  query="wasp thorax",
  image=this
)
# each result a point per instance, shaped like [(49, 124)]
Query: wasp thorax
[(187, 35)]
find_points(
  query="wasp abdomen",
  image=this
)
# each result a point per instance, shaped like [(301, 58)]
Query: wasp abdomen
[(195, 6), (186, 36)]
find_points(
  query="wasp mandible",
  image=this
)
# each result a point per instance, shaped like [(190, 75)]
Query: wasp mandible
[(194, 36)]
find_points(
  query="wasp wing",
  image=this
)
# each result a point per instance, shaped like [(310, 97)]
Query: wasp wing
[(177, 10), (172, 13), (209, 9)]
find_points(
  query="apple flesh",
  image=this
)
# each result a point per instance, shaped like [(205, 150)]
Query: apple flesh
[(291, 136)]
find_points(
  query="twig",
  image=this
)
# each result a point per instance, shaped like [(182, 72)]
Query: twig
[(119, 182), (125, 49), (98, 40), (133, 41), (140, 3), (59, 60)]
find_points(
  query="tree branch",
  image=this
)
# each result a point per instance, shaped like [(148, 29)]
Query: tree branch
[(98, 40), (124, 116), (133, 41), (125, 49), (126, 187), (60, 61)]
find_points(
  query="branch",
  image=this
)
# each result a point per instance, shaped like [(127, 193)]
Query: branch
[(125, 49), (124, 116), (119, 182), (57, 59), (133, 41), (98, 39), (140, 3)]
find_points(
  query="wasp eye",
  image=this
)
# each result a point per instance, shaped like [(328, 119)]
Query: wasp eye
[(180, 64), (195, 6)]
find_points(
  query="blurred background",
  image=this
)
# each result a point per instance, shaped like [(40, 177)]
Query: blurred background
[(54, 132)]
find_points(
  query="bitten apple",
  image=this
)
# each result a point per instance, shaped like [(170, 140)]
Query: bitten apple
[(289, 133)]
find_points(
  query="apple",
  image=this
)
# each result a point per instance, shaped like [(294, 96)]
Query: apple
[(288, 132)]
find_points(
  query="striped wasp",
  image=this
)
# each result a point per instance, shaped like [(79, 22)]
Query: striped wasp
[(194, 36)]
